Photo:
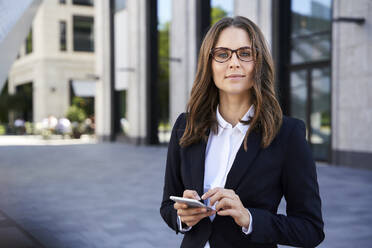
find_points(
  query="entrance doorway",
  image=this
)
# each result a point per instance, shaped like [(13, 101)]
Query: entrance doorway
[(24, 109), (310, 101)]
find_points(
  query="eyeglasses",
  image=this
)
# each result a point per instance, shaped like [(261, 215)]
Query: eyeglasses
[(223, 54)]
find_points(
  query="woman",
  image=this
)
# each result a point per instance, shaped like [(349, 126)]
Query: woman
[(236, 151)]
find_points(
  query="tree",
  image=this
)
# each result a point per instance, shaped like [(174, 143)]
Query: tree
[(216, 14), (163, 72)]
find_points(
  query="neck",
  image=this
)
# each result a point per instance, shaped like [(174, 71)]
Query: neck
[(233, 107)]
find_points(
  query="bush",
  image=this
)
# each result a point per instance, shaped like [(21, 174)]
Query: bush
[(2, 129), (75, 114)]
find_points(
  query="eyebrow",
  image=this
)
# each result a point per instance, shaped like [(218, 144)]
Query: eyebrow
[(249, 47)]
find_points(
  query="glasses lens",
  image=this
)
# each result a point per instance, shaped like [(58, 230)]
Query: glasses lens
[(221, 54), (245, 54)]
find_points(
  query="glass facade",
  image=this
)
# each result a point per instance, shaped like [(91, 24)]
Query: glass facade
[(83, 33), (311, 30), (164, 24), (310, 76), (299, 94), (320, 116)]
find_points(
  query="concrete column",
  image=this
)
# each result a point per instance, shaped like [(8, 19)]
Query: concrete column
[(136, 97), (102, 68), (259, 11), (351, 84), (183, 55)]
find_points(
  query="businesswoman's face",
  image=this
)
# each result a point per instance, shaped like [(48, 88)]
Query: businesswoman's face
[(232, 63)]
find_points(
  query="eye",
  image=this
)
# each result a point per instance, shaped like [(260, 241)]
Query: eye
[(245, 53), (222, 54)]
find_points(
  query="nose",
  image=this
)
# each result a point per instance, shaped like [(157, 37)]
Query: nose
[(234, 61)]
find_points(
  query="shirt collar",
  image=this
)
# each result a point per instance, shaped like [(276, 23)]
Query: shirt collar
[(222, 124)]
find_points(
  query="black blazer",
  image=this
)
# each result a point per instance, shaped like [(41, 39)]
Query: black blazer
[(260, 177)]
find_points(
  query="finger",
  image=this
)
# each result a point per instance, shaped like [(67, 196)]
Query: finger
[(221, 194), (197, 218), (227, 212), (193, 218), (210, 192), (191, 211), (226, 203), (191, 194), (179, 205)]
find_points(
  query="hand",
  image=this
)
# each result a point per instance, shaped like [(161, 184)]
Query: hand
[(191, 216), (228, 204)]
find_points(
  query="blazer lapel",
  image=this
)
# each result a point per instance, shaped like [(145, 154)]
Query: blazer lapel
[(197, 155), (243, 160)]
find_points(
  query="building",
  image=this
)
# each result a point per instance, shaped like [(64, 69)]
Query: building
[(321, 50), (57, 59)]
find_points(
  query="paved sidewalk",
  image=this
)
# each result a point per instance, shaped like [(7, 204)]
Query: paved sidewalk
[(108, 196)]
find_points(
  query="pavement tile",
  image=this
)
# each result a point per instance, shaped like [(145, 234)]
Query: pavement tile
[(108, 196)]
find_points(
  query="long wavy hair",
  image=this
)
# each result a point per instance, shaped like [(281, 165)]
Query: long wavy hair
[(202, 105)]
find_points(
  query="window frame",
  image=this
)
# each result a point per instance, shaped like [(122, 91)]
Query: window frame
[(75, 19)]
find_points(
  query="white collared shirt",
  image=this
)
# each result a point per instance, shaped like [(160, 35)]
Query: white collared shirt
[(220, 154)]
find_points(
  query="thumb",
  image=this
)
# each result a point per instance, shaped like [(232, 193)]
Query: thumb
[(191, 194)]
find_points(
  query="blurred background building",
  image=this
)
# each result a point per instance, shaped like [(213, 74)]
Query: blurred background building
[(56, 61), (138, 59)]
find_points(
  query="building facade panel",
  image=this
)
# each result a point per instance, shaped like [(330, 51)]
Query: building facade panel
[(350, 85), (259, 11), (136, 100), (183, 55), (102, 70)]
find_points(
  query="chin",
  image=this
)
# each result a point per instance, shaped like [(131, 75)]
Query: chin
[(237, 91)]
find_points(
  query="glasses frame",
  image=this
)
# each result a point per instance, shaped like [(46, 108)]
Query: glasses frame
[(232, 51)]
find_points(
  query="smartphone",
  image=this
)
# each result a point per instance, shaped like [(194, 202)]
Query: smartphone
[(192, 203)]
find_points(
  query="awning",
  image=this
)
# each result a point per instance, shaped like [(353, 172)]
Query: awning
[(84, 88)]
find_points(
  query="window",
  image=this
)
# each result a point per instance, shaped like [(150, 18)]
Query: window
[(311, 30), (119, 5), (83, 2), (62, 36), (29, 42), (83, 33), (220, 9), (310, 75)]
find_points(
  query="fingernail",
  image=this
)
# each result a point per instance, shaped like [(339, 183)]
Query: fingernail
[(203, 196)]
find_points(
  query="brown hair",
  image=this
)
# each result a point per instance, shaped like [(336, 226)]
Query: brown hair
[(201, 108)]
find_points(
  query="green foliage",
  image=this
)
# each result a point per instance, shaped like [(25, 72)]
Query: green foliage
[(20, 103), (29, 42), (163, 72), (86, 103), (216, 14), (4, 107), (2, 129), (325, 119), (75, 114)]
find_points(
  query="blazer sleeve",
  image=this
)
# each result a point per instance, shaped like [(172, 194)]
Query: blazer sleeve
[(172, 182), (303, 224)]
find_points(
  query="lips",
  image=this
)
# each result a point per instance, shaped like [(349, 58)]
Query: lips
[(233, 76)]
